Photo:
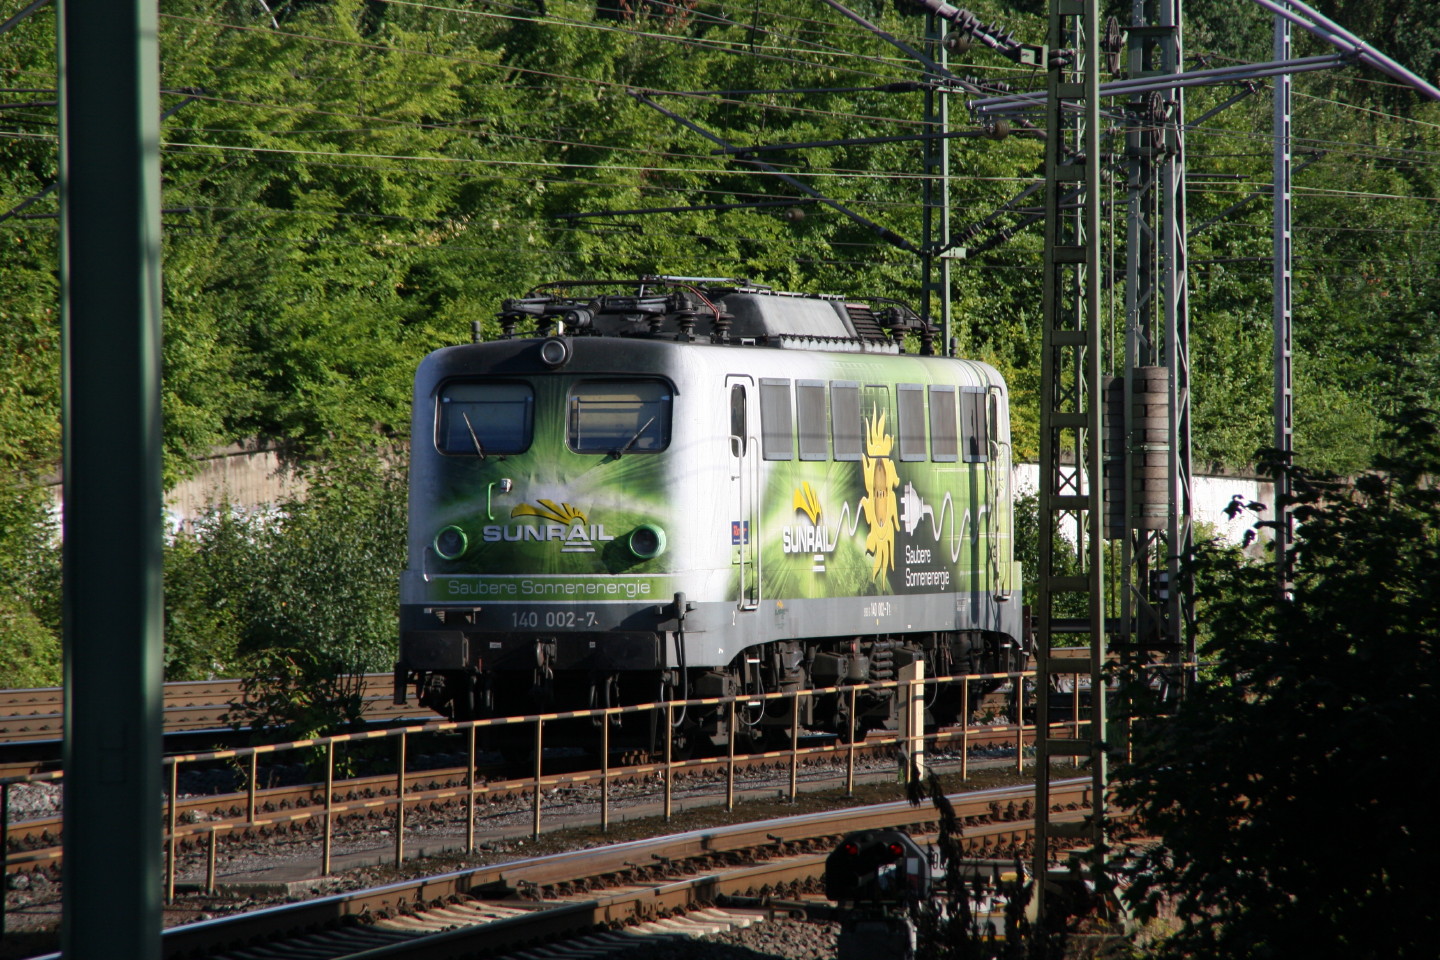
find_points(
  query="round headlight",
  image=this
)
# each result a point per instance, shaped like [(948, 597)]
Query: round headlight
[(451, 543), (555, 352), (646, 542)]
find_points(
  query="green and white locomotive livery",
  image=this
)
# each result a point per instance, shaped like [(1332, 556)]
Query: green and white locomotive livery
[(697, 489)]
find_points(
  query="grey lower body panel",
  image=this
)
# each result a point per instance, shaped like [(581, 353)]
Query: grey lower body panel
[(643, 636), (715, 633), (450, 650)]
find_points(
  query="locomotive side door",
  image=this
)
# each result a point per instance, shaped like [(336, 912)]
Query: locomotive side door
[(1000, 503), (744, 462)]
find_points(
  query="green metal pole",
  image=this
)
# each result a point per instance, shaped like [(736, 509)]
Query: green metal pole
[(108, 56)]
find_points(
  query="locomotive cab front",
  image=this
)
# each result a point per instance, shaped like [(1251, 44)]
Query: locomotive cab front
[(541, 527)]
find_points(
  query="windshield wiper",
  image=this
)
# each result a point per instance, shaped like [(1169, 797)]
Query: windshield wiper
[(631, 442), (479, 450)]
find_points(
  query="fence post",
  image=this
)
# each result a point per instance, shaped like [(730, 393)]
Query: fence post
[(470, 795), (669, 746), (170, 834), (400, 802), (250, 794), (730, 755), (912, 719), (539, 754), (794, 745), (850, 753), (1020, 725), (329, 807), (210, 863), (604, 772), (965, 728)]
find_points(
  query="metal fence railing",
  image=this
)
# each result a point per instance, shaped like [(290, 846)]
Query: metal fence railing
[(911, 741)]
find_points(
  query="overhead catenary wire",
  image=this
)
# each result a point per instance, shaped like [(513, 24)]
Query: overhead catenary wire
[(664, 155), (550, 164), (474, 61), (479, 161), (382, 46), (1319, 266), (551, 20), (474, 125), (834, 172)]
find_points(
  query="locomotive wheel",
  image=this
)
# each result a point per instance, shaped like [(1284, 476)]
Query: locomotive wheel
[(842, 732), (764, 739), (841, 723), (684, 742), (679, 742)]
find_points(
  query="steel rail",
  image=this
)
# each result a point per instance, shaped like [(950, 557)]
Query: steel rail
[(412, 789), (36, 714), (983, 813), (227, 814)]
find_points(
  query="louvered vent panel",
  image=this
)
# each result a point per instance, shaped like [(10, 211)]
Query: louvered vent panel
[(862, 318)]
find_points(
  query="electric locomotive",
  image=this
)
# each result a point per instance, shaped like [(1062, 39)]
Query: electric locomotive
[(674, 488)]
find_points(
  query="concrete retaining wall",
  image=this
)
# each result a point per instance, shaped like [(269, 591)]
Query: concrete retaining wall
[(1210, 495)]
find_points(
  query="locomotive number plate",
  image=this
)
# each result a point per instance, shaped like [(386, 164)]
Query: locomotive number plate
[(556, 619)]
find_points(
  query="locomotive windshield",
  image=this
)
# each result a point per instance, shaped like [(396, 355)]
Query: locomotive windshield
[(620, 416), (480, 419)]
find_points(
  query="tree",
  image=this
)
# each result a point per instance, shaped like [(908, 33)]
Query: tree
[(1292, 791), (29, 583), (299, 600), (348, 184), (29, 650)]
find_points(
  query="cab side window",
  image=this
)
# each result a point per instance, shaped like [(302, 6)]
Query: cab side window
[(810, 408), (975, 424), (777, 432)]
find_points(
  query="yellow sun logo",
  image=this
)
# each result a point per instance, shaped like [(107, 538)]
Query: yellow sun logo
[(549, 510), (878, 505), (807, 502)]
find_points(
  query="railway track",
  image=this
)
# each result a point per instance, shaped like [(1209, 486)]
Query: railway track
[(591, 898), (38, 714), (32, 720), (35, 843)]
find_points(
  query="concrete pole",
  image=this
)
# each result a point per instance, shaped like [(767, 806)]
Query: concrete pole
[(110, 307)]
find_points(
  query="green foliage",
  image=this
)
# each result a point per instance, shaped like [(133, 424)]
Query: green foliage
[(1064, 561), (300, 599), (209, 571), (29, 650), (347, 185), (1309, 729), (332, 567), (350, 190), (29, 586), (297, 695)]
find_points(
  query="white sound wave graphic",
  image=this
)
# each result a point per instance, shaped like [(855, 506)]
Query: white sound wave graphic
[(854, 520), (913, 509)]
